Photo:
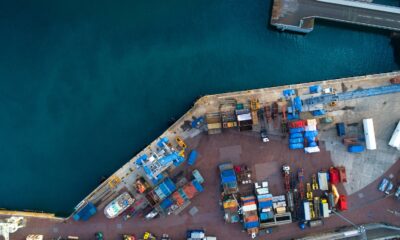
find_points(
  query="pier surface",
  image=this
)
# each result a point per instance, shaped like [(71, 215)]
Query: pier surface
[(299, 15), (366, 204)]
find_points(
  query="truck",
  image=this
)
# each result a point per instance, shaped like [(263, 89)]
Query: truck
[(250, 216), (306, 211), (395, 139), (340, 129), (369, 133), (228, 178), (324, 208), (323, 181)]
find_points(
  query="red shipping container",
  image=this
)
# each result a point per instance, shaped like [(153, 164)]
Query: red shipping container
[(297, 124), (342, 205), (334, 175)]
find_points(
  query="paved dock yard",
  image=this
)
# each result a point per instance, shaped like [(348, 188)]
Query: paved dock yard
[(299, 15), (366, 203)]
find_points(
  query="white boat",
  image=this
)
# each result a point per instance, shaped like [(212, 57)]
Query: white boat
[(118, 205)]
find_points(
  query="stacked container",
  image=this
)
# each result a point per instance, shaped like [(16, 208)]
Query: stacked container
[(310, 135), (296, 129), (250, 216)]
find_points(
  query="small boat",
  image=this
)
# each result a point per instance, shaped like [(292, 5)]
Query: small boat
[(118, 205)]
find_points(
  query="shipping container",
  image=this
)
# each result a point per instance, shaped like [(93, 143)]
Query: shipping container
[(296, 130), (306, 211), (355, 148), (334, 177), (297, 124), (296, 140), (323, 181), (192, 157), (296, 135), (340, 128), (369, 133), (342, 205), (296, 146), (395, 139)]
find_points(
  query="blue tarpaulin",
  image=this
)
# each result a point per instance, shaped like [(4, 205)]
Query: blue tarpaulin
[(162, 141), (192, 157), (198, 186), (228, 176), (141, 159), (85, 213), (318, 112), (288, 92), (315, 89), (297, 103), (166, 203)]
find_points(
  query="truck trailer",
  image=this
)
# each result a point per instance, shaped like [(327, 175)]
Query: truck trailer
[(395, 139)]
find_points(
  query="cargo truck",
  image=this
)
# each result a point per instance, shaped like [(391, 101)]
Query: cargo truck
[(324, 207), (228, 178), (323, 181)]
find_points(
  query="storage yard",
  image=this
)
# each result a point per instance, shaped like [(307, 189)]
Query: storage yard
[(278, 163)]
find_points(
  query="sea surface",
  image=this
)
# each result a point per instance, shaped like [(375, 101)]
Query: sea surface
[(85, 85)]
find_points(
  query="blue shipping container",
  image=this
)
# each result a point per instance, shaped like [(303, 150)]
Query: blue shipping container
[(192, 157), (296, 130), (296, 135), (296, 140), (340, 128), (355, 148), (251, 224), (296, 146), (312, 144)]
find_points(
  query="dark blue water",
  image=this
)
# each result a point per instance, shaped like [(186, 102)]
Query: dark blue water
[(84, 85)]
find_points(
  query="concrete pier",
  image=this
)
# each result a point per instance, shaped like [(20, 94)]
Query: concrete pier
[(299, 15)]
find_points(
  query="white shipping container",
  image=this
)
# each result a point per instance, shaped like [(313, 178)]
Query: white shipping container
[(323, 181), (306, 208), (369, 133), (325, 210), (395, 139)]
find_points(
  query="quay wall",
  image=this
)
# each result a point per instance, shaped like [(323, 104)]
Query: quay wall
[(209, 104)]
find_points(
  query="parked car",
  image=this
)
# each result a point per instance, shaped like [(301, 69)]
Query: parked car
[(99, 236), (389, 188), (397, 193), (383, 184), (264, 136)]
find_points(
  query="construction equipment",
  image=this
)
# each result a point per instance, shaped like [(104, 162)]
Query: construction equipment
[(267, 110), (314, 182), (148, 236), (180, 142), (312, 210), (254, 104), (309, 192), (114, 181), (286, 174), (317, 207), (284, 120), (300, 176)]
